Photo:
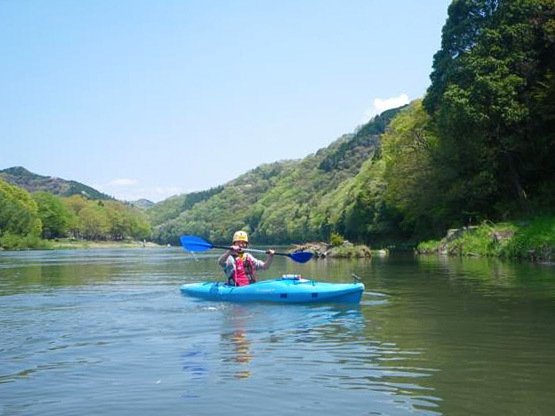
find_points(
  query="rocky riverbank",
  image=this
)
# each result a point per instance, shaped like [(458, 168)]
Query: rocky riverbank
[(532, 239), (323, 250)]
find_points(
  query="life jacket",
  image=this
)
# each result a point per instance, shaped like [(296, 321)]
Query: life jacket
[(244, 271)]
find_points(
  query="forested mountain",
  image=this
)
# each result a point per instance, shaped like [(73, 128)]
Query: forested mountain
[(479, 146), (27, 219), (284, 201), (142, 203), (32, 182)]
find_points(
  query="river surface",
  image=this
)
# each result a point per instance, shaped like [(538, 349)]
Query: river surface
[(107, 332)]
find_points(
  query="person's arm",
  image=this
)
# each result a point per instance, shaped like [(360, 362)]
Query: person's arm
[(269, 259), (223, 258)]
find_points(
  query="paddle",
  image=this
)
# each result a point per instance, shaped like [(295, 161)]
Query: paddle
[(194, 243)]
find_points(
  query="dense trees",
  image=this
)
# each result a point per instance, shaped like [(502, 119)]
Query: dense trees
[(288, 201), (411, 174), (19, 222), (106, 220), (25, 218), (490, 101), (53, 214), (483, 148)]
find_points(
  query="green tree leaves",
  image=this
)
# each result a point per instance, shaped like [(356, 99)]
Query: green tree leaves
[(54, 215), (490, 79), (25, 218), (18, 215)]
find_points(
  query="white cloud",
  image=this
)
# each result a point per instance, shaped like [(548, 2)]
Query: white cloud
[(379, 105), (122, 182), (385, 104), (126, 189)]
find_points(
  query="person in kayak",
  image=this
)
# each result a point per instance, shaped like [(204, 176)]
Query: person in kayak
[(240, 267)]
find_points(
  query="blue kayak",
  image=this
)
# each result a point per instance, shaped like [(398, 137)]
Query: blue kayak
[(286, 289)]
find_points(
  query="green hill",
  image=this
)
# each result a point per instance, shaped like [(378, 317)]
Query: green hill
[(294, 200), (32, 182)]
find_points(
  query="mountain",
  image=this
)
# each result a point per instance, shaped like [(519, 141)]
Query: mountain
[(336, 189), (32, 182), (285, 201), (142, 203)]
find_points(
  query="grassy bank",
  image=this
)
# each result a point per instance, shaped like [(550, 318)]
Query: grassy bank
[(532, 239)]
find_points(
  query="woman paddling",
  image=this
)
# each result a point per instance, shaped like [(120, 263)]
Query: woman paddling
[(240, 267)]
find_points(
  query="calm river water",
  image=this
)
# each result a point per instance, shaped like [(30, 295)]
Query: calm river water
[(107, 332)]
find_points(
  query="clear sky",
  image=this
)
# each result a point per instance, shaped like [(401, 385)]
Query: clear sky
[(147, 99)]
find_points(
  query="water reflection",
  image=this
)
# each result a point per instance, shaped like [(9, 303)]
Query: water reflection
[(326, 348), (103, 331), (34, 271), (236, 346), (492, 275)]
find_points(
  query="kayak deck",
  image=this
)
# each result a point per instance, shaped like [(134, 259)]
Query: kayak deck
[(280, 290)]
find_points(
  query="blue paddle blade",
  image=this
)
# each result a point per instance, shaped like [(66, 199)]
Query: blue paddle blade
[(301, 256), (194, 243)]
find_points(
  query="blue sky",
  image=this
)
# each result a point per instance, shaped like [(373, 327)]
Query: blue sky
[(147, 99)]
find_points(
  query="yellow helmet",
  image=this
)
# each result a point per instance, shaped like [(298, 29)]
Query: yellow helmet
[(240, 236)]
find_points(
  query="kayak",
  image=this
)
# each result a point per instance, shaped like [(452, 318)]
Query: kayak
[(286, 289)]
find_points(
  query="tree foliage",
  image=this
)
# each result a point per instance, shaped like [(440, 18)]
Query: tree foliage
[(105, 220), (25, 218), (408, 150), (291, 201), (490, 100), (54, 215), (18, 215)]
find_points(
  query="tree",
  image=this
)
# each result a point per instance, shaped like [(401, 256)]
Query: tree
[(93, 222), (18, 211), (20, 225), (55, 216), (492, 70), (413, 181)]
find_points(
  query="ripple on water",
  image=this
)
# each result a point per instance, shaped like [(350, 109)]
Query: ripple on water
[(116, 337)]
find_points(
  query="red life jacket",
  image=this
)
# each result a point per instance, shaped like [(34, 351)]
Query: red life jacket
[(244, 271)]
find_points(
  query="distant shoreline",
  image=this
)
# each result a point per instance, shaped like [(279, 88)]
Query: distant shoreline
[(63, 244)]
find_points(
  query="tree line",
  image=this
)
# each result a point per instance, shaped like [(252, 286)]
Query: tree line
[(26, 219)]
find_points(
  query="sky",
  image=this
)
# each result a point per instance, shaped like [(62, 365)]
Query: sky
[(149, 99)]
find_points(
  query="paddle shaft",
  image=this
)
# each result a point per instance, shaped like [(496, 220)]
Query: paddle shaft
[(194, 243), (252, 250)]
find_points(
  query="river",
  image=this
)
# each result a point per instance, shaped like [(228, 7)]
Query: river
[(87, 332)]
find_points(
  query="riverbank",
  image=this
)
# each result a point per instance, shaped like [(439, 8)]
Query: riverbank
[(532, 240), (345, 250), (60, 244), (70, 243)]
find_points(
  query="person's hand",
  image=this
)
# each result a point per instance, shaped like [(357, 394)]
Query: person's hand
[(270, 252)]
